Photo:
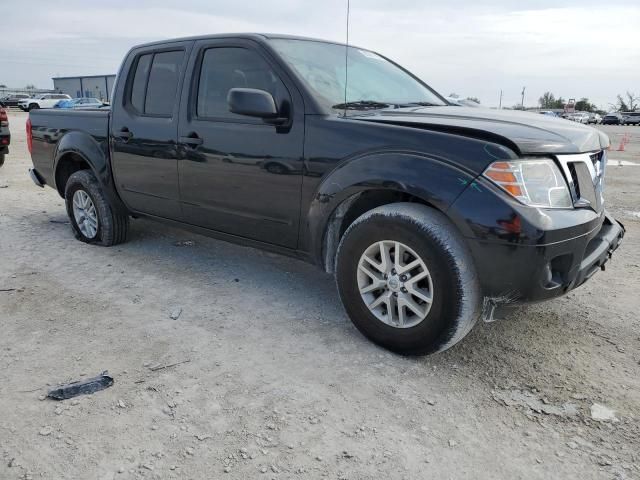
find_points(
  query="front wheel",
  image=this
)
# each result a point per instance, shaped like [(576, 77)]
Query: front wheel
[(33, 106), (93, 218), (407, 280)]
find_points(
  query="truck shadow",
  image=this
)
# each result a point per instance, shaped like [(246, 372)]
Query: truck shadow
[(525, 337), (268, 302)]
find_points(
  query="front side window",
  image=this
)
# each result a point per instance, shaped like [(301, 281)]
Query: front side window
[(155, 83), (225, 68), (371, 78)]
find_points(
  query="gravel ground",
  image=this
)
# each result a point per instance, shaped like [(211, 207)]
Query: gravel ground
[(276, 382)]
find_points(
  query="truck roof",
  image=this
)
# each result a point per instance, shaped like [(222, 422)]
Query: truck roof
[(261, 37)]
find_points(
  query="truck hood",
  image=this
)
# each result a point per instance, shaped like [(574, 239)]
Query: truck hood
[(523, 132)]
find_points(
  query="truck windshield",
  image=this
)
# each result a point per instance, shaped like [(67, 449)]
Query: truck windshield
[(372, 81)]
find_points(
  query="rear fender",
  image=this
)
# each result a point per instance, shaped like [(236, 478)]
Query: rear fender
[(95, 152)]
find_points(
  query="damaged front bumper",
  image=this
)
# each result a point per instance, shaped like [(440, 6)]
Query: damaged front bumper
[(516, 274)]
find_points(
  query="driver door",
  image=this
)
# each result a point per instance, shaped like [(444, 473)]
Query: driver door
[(238, 174)]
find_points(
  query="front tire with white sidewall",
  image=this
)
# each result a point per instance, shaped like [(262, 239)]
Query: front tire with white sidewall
[(407, 280)]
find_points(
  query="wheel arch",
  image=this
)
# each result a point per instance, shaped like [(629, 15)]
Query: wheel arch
[(353, 189), (67, 165), (80, 151)]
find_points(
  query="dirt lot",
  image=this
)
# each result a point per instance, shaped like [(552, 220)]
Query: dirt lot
[(277, 382)]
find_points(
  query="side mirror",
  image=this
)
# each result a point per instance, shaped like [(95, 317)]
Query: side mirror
[(253, 103)]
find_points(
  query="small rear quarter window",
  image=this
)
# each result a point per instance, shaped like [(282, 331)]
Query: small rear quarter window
[(140, 82)]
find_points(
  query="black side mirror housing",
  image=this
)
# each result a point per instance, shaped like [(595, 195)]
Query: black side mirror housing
[(252, 102)]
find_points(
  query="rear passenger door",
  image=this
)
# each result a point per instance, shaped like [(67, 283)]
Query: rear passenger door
[(144, 124), (238, 174)]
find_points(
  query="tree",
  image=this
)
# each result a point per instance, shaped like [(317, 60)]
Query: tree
[(474, 99), (583, 105), (30, 87), (3, 86), (549, 100), (628, 103)]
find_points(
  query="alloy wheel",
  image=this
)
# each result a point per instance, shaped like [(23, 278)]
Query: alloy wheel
[(395, 284)]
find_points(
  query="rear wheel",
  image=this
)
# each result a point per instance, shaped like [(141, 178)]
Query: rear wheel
[(93, 219), (407, 280), (1, 159)]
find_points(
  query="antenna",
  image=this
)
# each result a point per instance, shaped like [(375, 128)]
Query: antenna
[(346, 60)]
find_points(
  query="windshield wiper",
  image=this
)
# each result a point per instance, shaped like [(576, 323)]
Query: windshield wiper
[(417, 104), (361, 105)]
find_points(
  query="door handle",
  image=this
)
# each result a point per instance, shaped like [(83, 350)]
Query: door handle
[(192, 139), (125, 134)]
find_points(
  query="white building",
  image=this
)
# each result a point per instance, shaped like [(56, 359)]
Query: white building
[(96, 86)]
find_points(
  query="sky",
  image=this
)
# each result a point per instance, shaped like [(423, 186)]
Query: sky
[(573, 48)]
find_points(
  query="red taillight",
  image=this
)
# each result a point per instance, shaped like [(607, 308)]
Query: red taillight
[(4, 118), (29, 137)]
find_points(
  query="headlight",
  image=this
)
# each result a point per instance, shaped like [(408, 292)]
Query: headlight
[(534, 182)]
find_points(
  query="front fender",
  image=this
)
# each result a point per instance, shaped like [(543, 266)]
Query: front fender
[(429, 178)]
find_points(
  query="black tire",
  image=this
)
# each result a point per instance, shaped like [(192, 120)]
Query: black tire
[(2, 159), (33, 106), (112, 226), (456, 292)]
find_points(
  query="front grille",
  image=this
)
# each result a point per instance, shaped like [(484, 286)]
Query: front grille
[(585, 186), (585, 175)]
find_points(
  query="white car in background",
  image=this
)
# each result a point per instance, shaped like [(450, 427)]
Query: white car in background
[(631, 118), (45, 100), (594, 118), (580, 117)]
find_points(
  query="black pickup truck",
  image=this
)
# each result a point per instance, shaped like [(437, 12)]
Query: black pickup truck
[(431, 216)]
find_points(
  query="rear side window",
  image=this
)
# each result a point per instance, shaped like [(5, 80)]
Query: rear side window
[(163, 83), (155, 83), (225, 68), (140, 82)]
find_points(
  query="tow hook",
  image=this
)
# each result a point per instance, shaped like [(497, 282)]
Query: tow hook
[(488, 310), (495, 308)]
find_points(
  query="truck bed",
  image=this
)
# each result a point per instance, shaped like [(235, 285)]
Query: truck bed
[(51, 128)]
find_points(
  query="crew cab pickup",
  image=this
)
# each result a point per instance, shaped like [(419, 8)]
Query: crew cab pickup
[(431, 216)]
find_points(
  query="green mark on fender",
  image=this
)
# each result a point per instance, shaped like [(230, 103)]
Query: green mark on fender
[(474, 184)]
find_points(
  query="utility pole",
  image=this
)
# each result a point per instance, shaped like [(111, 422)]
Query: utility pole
[(500, 104), (522, 103)]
